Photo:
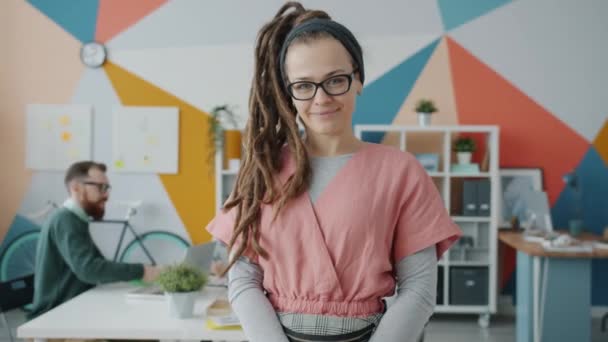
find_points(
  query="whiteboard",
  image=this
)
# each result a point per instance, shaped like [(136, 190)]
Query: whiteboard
[(145, 139), (57, 135)]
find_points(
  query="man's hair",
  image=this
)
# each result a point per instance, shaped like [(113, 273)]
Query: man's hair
[(81, 169)]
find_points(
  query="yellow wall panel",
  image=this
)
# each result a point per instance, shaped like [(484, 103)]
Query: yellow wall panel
[(192, 190)]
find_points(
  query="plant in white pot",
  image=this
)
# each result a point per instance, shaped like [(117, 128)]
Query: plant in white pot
[(464, 148), (181, 284), (425, 108), (222, 122)]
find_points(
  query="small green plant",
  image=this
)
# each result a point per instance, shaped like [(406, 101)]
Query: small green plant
[(425, 106), (464, 144), (181, 278)]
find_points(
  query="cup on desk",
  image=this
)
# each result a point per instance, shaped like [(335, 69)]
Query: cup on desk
[(575, 227)]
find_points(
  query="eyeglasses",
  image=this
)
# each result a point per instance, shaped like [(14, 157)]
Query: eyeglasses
[(102, 187), (334, 86)]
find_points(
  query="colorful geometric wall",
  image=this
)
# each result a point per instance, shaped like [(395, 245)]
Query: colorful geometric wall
[(533, 68)]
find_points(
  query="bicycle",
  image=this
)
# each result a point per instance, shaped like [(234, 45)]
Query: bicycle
[(19, 256), (167, 246)]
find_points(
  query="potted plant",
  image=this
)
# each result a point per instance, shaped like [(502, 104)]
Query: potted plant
[(425, 108), (223, 132), (181, 284), (464, 147)]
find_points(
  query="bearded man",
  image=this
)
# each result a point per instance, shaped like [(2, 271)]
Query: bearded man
[(68, 262)]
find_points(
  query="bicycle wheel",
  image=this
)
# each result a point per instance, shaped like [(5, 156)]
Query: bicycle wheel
[(19, 257), (166, 248)]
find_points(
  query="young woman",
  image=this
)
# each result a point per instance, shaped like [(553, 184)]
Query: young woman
[(322, 226)]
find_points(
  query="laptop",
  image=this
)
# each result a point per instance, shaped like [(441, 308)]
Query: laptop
[(200, 256)]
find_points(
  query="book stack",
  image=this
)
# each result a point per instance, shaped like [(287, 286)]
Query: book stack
[(465, 168), (221, 317)]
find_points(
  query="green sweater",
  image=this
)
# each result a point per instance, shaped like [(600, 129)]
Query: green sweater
[(69, 263)]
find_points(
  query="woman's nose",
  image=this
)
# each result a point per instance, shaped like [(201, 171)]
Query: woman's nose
[(321, 96)]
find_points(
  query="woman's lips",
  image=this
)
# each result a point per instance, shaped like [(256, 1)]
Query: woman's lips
[(327, 112)]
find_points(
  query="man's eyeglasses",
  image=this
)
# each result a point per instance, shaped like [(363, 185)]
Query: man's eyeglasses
[(102, 187), (334, 86)]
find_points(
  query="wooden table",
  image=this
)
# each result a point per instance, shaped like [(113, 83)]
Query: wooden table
[(553, 290)]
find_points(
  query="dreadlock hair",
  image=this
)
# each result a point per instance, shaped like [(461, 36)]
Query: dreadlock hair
[(271, 125)]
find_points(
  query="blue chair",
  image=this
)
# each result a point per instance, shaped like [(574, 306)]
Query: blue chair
[(15, 294)]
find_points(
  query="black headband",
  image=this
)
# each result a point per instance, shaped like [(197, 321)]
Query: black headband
[(336, 30)]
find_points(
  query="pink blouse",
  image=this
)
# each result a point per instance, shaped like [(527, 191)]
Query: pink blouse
[(336, 257)]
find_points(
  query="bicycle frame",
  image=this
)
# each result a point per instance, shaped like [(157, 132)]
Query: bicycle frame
[(126, 225), (132, 210)]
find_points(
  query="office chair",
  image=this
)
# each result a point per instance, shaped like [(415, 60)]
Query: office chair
[(15, 294)]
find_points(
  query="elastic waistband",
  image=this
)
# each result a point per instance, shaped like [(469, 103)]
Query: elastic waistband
[(317, 307)]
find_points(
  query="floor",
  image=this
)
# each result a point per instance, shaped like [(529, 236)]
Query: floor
[(464, 328), (458, 328), (452, 328)]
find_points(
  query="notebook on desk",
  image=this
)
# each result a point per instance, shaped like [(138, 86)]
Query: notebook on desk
[(200, 256)]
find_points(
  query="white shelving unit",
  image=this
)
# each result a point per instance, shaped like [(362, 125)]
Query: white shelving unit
[(224, 181), (482, 255)]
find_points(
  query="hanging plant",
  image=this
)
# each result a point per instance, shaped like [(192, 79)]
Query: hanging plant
[(220, 118)]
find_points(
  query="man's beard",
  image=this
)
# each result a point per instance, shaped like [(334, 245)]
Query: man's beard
[(94, 209)]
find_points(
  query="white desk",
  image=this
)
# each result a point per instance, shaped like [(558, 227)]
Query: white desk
[(104, 313)]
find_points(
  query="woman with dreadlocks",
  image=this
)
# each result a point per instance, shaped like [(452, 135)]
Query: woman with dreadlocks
[(322, 226)]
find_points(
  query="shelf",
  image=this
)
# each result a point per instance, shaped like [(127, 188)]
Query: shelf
[(462, 309), (436, 174), (474, 249), (470, 175), (469, 263), (433, 128), (483, 219)]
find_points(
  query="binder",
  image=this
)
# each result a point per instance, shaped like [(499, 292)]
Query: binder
[(476, 197), (469, 198), (483, 197)]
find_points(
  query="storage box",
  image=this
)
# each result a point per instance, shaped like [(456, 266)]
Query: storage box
[(469, 285)]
